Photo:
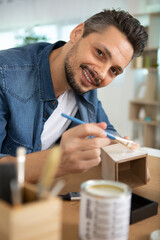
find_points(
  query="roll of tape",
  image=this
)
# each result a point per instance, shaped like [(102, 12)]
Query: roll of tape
[(155, 235)]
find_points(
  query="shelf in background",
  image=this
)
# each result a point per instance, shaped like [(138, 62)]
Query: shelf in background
[(151, 69), (145, 102), (145, 108), (152, 123)]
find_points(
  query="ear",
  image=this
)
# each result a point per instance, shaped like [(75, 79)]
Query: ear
[(77, 33)]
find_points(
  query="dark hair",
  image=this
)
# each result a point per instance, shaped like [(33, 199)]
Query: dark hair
[(124, 22)]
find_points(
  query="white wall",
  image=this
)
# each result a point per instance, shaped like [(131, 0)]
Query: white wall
[(19, 13), (115, 100)]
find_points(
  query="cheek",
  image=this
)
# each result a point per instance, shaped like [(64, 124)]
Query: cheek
[(106, 81), (87, 57), (73, 63)]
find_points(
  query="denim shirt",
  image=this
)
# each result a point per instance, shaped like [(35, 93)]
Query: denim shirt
[(27, 98)]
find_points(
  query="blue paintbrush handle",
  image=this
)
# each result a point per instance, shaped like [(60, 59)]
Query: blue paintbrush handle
[(111, 136), (78, 121), (73, 119)]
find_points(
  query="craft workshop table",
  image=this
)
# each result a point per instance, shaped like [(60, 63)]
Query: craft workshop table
[(138, 231)]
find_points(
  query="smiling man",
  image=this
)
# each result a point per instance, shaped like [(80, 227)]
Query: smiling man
[(40, 81), (97, 59)]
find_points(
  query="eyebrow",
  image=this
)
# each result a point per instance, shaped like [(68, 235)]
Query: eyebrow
[(119, 68), (110, 56), (108, 52)]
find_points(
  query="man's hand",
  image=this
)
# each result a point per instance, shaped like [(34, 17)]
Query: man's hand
[(79, 152)]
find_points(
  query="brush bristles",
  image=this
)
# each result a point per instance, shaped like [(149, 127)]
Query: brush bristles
[(133, 146), (128, 143)]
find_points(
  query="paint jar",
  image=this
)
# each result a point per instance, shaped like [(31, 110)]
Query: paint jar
[(104, 210)]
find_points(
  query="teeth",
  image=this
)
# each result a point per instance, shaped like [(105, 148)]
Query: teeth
[(87, 77)]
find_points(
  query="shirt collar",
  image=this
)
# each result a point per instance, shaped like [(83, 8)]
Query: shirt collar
[(46, 88)]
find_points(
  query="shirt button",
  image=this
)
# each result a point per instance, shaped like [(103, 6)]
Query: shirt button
[(54, 102), (44, 114), (39, 145)]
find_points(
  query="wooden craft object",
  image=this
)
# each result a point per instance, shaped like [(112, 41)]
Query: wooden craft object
[(122, 164), (33, 220)]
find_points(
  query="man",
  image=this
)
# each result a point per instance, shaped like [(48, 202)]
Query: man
[(40, 81)]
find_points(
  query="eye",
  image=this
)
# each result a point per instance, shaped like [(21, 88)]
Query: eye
[(100, 53), (114, 71)]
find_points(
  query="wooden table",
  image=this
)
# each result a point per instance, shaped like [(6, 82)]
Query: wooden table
[(138, 231)]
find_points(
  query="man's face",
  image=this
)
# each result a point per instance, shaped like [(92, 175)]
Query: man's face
[(95, 60)]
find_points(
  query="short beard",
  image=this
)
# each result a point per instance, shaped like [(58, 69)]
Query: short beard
[(71, 80), (70, 75)]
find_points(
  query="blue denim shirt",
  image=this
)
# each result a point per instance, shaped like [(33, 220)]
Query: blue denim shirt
[(27, 98)]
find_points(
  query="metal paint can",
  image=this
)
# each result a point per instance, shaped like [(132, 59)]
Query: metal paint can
[(104, 210)]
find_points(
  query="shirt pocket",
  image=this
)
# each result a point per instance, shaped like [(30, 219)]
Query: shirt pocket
[(20, 82)]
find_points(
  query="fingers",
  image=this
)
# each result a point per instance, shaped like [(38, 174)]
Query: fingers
[(83, 144), (88, 129), (84, 166), (80, 155), (79, 161), (84, 155), (126, 137), (102, 125), (93, 143), (79, 152)]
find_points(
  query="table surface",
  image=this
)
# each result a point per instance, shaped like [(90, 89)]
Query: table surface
[(138, 231)]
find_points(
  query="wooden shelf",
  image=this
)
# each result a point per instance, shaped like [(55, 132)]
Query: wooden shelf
[(151, 69), (149, 60), (150, 109), (144, 102), (152, 123), (145, 109)]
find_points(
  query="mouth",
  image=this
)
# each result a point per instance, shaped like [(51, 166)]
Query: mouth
[(89, 78)]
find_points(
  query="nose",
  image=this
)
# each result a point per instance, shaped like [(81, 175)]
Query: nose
[(101, 71)]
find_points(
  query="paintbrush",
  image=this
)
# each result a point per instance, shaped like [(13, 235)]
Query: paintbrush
[(48, 172), (58, 187), (17, 186), (21, 158), (128, 143)]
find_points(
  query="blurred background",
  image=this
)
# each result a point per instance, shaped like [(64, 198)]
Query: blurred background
[(132, 101)]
